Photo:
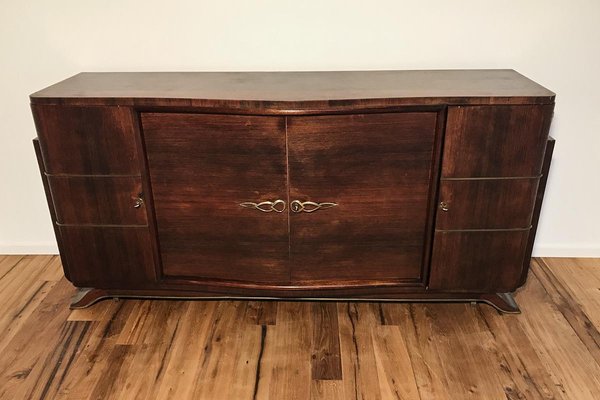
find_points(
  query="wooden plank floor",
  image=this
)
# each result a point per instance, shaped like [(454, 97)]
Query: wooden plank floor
[(138, 349)]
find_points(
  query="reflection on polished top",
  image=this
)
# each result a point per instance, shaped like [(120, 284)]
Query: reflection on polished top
[(272, 89)]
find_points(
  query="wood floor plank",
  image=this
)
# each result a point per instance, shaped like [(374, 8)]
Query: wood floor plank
[(285, 363), (23, 359), (52, 271), (93, 366), (574, 369), (394, 367), (326, 359), (427, 365), (327, 390), (107, 382), (189, 352), (566, 302), (59, 361), (359, 366), (261, 312), (145, 358), (516, 355), (97, 312), (26, 297), (580, 277), (229, 369), (457, 346), (19, 287), (143, 349), (7, 263), (151, 322)]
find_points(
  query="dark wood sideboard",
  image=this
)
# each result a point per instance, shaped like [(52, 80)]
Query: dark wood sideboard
[(382, 185)]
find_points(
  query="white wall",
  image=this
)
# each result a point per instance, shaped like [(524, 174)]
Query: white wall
[(556, 43)]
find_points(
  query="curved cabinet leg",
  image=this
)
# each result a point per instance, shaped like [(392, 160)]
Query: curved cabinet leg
[(503, 302), (85, 297)]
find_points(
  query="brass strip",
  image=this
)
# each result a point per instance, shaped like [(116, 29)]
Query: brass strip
[(101, 225), (466, 299), (491, 178), (485, 230), (92, 175)]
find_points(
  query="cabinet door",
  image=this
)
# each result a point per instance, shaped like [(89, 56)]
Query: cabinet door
[(378, 170), (90, 167), (202, 168), (490, 173)]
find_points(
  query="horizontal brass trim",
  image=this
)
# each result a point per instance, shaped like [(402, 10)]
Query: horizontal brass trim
[(101, 225), (466, 299), (92, 175), (496, 178), (485, 230)]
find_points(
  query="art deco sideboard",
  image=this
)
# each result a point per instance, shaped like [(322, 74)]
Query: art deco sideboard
[(381, 185)]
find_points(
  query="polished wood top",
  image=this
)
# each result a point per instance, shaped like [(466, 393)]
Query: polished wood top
[(296, 91)]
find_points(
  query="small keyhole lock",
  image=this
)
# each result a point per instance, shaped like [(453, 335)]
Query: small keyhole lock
[(139, 201), (444, 206)]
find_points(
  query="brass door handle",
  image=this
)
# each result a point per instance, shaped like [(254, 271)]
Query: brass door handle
[(266, 206), (298, 206)]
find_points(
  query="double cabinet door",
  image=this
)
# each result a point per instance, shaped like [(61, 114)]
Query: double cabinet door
[(303, 200)]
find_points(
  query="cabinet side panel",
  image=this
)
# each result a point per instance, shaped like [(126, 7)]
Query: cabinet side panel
[(490, 171), (486, 203), (98, 200), (38, 153), (86, 140), (108, 257), (477, 261), (538, 207), (495, 141), (92, 173)]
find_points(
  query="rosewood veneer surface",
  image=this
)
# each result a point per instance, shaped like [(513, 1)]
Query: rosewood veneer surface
[(414, 185)]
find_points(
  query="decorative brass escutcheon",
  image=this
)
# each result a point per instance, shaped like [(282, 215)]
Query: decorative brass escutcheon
[(444, 206), (298, 206), (266, 206)]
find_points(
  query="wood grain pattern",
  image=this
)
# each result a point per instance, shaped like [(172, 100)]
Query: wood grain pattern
[(86, 140), (562, 295), (106, 200), (201, 144), (108, 257), (478, 261), (495, 141), (202, 167), (205, 350), (38, 155), (325, 361), (486, 203), (539, 199), (285, 364), (378, 169), (294, 92)]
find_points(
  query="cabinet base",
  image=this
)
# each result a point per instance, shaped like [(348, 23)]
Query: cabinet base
[(503, 302)]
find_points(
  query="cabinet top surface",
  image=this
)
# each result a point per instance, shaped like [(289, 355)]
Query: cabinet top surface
[(287, 90)]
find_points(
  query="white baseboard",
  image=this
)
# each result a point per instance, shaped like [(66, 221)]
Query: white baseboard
[(28, 248), (560, 250)]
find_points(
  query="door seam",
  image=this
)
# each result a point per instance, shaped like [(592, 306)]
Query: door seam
[(289, 216)]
